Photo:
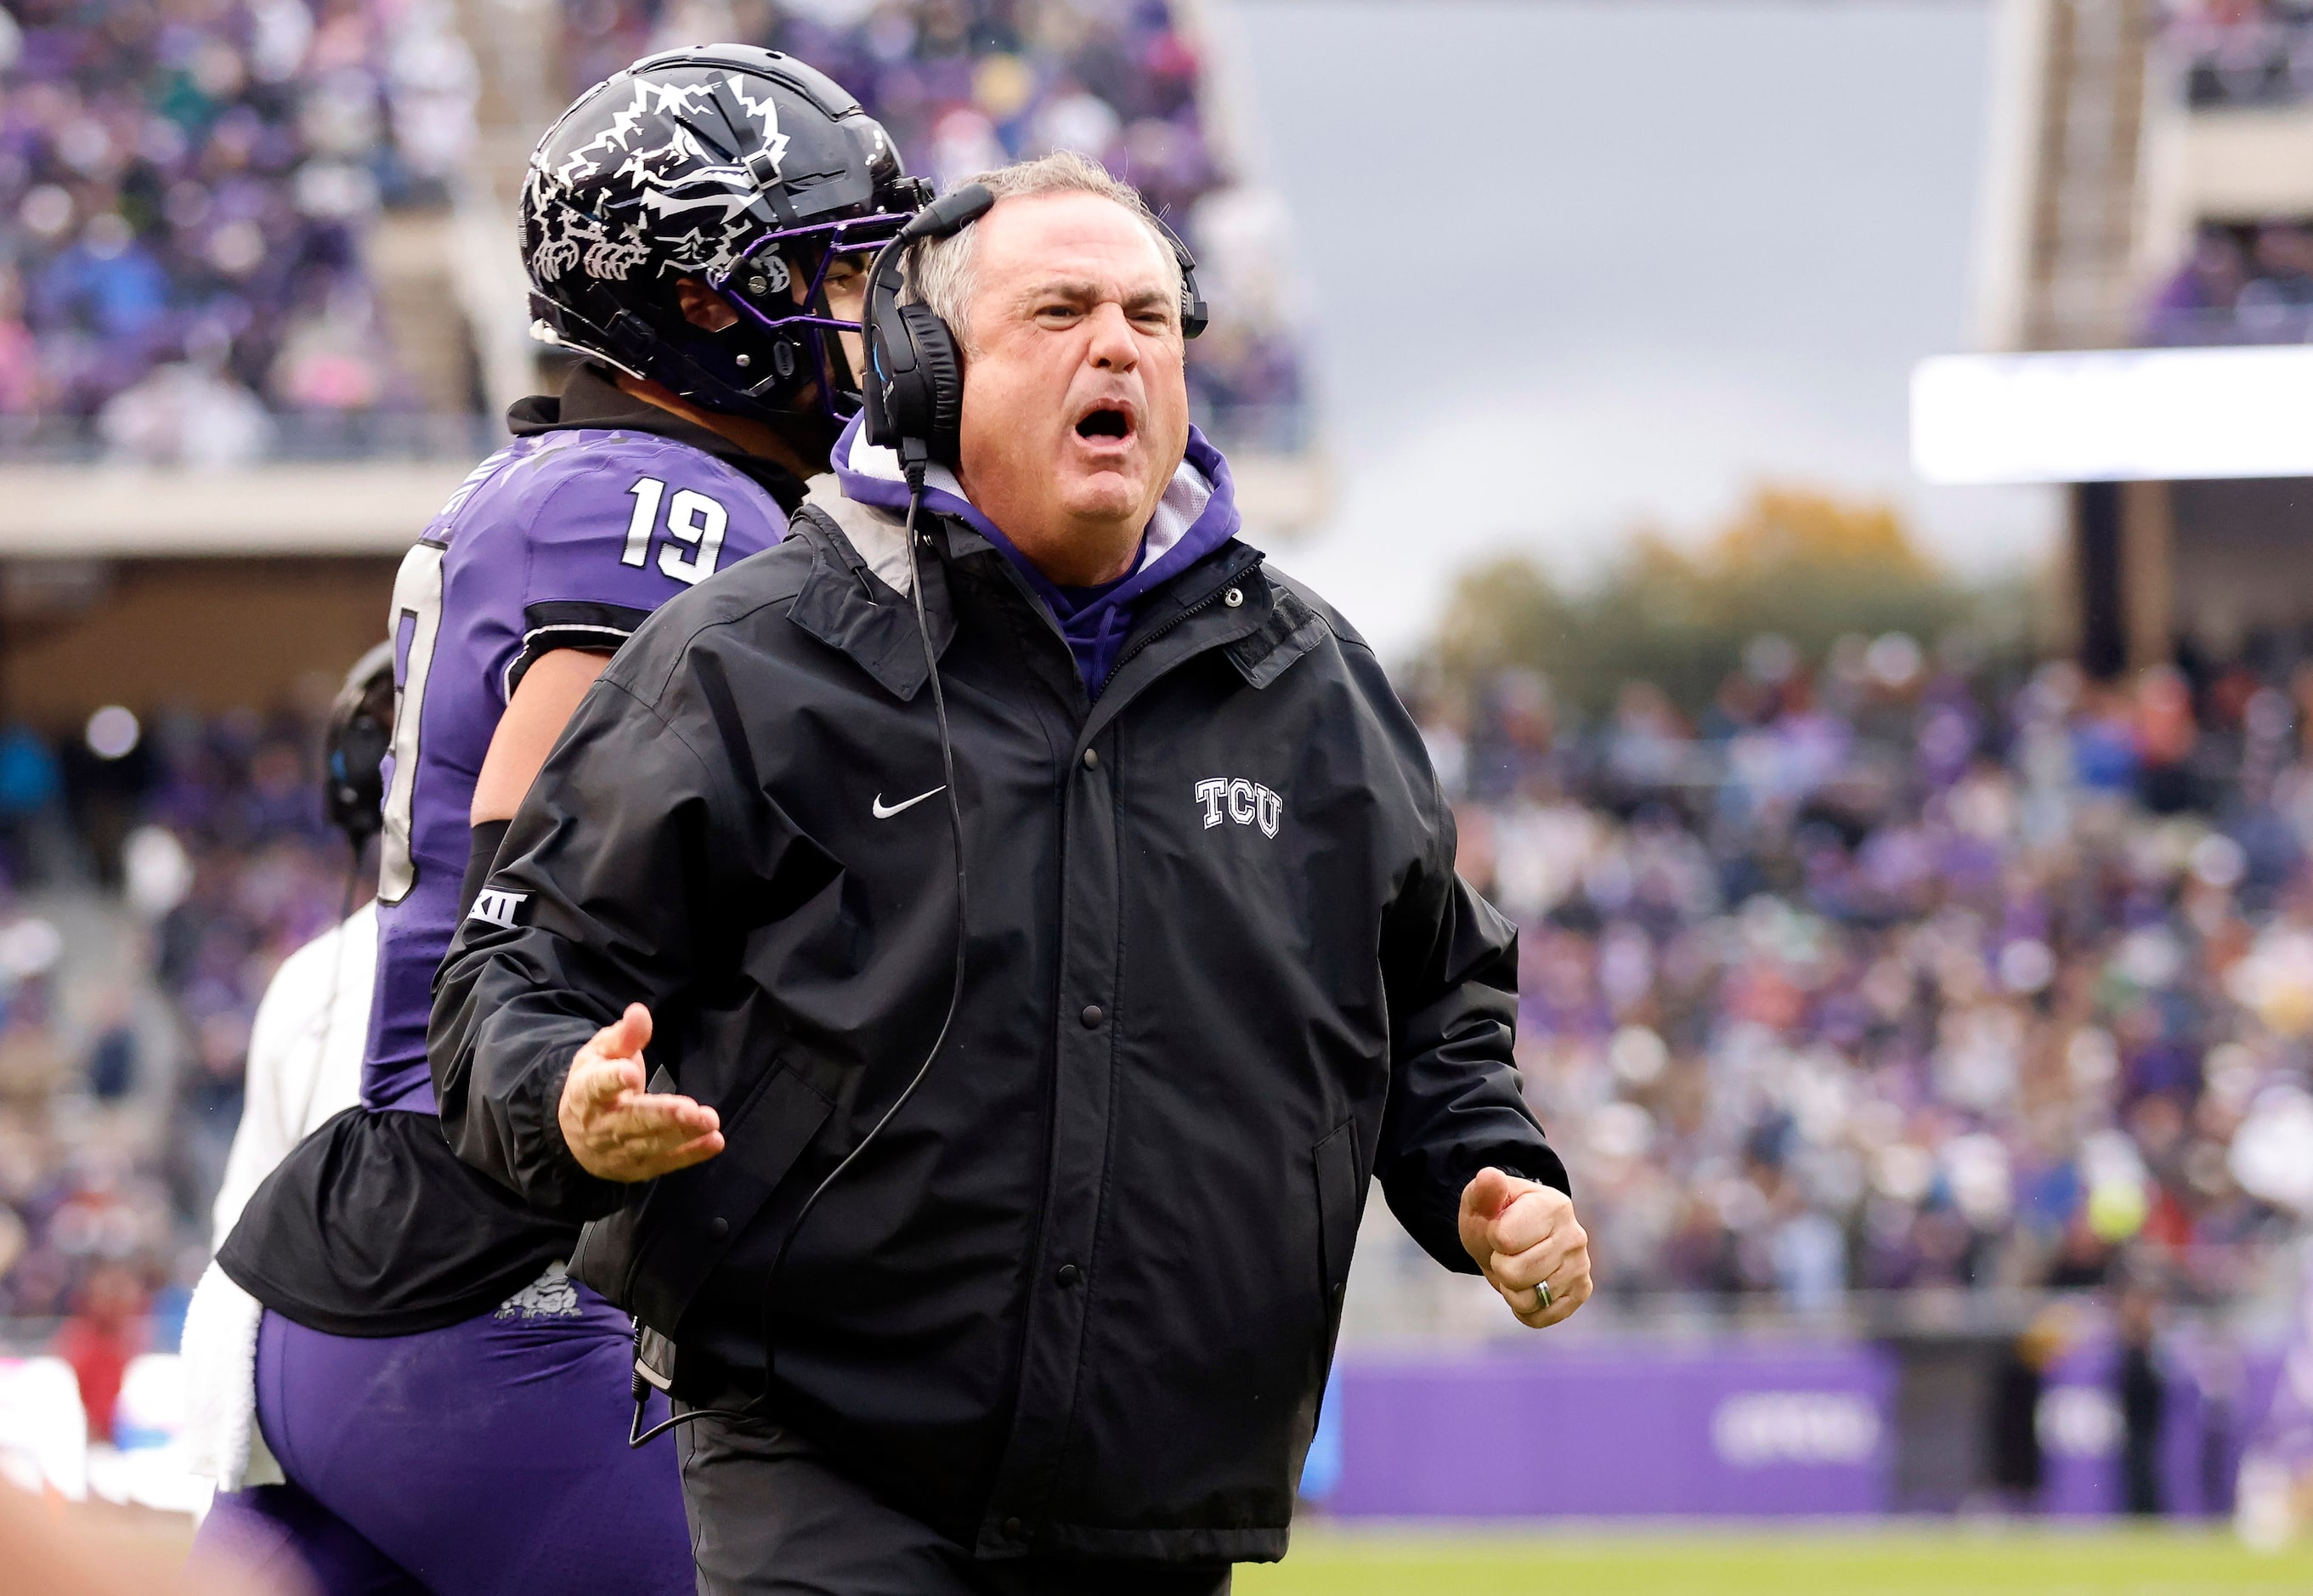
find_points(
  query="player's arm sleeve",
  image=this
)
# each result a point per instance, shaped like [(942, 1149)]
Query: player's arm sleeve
[(1450, 962), (606, 887)]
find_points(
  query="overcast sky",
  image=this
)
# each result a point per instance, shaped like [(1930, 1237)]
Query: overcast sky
[(1572, 266)]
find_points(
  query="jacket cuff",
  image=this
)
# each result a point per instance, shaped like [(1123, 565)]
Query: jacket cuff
[(562, 1182), (1441, 1236)]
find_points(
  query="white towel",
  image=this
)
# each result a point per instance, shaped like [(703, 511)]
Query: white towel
[(221, 1442)]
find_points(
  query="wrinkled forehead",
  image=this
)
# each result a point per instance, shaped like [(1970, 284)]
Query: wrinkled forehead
[(1029, 239)]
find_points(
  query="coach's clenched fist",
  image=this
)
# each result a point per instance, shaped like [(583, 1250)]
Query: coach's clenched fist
[(1525, 1236), (618, 1130)]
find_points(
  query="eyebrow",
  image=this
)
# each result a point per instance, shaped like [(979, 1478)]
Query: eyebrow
[(1084, 291)]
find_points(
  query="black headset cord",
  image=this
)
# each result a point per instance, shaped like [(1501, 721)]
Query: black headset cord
[(635, 1434)]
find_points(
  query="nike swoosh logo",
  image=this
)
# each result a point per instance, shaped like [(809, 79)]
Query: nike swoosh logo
[(883, 813)]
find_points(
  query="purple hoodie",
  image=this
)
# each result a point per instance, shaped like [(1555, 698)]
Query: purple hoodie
[(1196, 516)]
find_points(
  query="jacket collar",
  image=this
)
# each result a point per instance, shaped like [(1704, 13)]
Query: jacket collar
[(846, 603)]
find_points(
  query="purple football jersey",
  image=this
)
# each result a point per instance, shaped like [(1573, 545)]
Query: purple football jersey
[(566, 539)]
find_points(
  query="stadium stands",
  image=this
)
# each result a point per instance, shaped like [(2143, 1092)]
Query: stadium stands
[(2243, 53), (966, 85), (1887, 974), (190, 187), (2242, 284), (148, 897), (201, 194)]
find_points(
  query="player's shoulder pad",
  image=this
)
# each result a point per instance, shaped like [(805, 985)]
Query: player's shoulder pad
[(580, 487), (764, 583)]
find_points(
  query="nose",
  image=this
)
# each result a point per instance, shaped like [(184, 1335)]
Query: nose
[(1112, 347)]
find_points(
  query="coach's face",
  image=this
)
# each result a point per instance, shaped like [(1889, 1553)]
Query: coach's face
[(1075, 412)]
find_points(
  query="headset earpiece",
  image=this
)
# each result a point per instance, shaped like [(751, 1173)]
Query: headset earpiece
[(360, 731), (940, 382), (1194, 317), (913, 390)]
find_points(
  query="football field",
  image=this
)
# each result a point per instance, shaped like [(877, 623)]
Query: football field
[(1975, 1561)]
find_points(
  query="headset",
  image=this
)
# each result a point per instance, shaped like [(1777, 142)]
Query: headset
[(360, 731), (914, 401)]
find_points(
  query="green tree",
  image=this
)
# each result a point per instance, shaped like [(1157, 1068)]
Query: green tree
[(1803, 564)]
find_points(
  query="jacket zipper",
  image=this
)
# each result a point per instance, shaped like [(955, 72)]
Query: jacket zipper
[(1205, 603)]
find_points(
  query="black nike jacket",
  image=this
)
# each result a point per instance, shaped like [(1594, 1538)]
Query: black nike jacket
[(1080, 1297)]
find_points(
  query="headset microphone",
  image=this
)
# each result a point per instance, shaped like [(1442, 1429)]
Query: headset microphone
[(950, 214)]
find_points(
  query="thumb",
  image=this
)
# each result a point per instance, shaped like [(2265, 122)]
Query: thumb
[(1489, 1193), (626, 1036)]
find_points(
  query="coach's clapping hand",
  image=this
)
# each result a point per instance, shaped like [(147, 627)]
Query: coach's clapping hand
[(617, 1129), (1523, 1235)]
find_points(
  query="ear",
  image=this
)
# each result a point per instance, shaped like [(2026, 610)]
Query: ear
[(702, 306)]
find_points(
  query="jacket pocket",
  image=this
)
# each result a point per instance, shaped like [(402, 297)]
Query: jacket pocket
[(652, 1255), (1339, 1206)]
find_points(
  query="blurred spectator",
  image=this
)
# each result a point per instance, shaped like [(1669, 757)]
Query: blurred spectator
[(2242, 52), (2143, 1395), (106, 1329)]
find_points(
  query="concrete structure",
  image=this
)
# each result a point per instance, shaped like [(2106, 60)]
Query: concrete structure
[(2105, 158)]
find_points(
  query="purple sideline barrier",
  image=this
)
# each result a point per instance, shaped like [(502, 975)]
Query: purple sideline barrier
[(1783, 1428)]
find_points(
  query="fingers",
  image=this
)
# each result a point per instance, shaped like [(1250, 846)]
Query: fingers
[(690, 1152), (646, 1135), (1519, 1272), (1561, 1259), (1531, 1216), (614, 1125), (1568, 1289), (600, 1083)]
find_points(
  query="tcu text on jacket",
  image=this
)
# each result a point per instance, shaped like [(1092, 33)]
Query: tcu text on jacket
[(1248, 803)]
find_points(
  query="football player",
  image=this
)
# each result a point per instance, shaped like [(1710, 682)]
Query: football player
[(449, 1410)]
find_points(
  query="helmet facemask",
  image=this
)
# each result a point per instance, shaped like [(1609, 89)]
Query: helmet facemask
[(796, 340)]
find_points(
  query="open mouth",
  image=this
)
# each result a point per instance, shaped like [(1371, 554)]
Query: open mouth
[(1105, 422)]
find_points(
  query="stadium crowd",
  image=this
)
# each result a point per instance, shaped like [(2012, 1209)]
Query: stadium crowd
[(191, 186), (202, 841), (1886, 974), (964, 85), (188, 185), (2241, 52), (2241, 284)]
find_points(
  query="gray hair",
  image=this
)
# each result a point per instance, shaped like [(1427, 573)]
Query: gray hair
[(940, 271)]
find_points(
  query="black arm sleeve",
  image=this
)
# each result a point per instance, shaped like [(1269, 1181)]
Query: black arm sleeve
[(1454, 1105), (483, 854), (606, 873)]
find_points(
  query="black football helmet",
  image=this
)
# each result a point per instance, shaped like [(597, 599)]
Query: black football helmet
[(739, 166)]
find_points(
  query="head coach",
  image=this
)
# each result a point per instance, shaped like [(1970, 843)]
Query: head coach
[(1141, 911)]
